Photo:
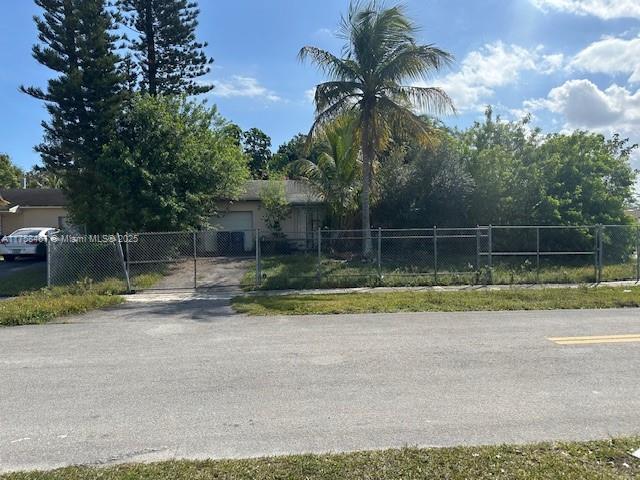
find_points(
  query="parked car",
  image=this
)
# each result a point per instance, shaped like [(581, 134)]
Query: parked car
[(26, 242)]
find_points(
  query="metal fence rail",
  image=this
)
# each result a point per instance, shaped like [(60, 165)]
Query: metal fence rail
[(335, 258)]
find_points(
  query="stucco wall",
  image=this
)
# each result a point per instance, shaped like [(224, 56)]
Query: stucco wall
[(30, 217), (297, 223)]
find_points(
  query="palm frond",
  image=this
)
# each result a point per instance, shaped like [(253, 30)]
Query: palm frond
[(337, 68), (425, 99), (330, 92), (413, 62)]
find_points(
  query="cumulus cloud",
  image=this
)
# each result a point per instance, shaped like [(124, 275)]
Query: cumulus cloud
[(612, 56), (493, 66), (605, 9), (239, 86), (581, 104)]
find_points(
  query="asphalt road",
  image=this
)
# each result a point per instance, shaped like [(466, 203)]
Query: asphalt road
[(158, 381), (22, 265)]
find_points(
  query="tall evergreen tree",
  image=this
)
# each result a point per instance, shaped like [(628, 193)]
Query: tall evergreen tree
[(169, 59), (76, 42)]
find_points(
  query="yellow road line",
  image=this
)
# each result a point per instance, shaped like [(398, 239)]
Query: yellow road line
[(635, 337)]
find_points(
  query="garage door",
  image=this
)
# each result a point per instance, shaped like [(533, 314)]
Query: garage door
[(237, 222), (234, 221)]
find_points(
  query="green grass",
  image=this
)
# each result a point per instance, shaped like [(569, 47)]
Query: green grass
[(300, 272), (602, 460), (434, 301), (47, 304)]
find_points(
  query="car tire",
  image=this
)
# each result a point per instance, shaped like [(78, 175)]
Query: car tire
[(9, 258)]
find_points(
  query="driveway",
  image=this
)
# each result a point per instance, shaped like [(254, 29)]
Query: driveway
[(22, 265), (190, 379), (212, 273)]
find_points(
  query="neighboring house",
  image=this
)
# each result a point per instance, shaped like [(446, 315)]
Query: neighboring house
[(31, 207), (47, 208), (635, 213)]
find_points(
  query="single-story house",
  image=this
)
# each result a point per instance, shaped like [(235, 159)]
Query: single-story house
[(32, 207), (47, 208)]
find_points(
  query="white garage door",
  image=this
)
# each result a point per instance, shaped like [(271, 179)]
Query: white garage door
[(234, 221), (237, 222)]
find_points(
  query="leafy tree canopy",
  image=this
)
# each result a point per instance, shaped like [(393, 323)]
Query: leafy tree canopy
[(169, 166), (10, 174), (257, 147)]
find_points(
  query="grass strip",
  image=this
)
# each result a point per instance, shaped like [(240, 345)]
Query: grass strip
[(601, 460), (48, 304), (434, 301), (45, 306)]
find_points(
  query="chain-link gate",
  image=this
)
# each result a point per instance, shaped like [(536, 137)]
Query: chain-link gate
[(213, 259)]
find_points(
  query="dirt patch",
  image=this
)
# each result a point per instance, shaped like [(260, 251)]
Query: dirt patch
[(211, 273)]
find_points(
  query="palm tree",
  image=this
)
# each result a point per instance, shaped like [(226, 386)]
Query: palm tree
[(336, 170), (379, 54)]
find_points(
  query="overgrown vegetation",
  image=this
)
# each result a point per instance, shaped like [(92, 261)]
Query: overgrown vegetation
[(301, 272), (607, 459), (437, 301), (48, 304)]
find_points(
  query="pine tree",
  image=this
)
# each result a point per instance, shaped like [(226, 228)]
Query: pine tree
[(77, 43), (168, 56)]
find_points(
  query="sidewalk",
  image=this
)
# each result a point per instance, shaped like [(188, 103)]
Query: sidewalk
[(186, 295)]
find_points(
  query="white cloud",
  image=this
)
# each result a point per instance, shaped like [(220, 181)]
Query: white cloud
[(581, 104), (310, 94), (239, 86), (605, 9), (493, 66), (611, 56)]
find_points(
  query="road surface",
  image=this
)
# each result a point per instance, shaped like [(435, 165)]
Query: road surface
[(189, 379)]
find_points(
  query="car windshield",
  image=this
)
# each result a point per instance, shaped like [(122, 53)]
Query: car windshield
[(26, 232)]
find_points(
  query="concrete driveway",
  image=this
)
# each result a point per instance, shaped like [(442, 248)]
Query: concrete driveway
[(22, 265), (189, 379)]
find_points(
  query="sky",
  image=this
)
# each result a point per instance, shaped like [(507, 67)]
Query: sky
[(569, 63)]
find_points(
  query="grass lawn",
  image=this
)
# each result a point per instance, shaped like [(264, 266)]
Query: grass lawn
[(433, 301), (600, 460), (300, 272), (48, 304)]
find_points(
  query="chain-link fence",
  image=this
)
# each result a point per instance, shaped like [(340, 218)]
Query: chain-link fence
[(351, 258)]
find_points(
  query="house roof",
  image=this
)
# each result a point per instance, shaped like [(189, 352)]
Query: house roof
[(296, 191), (31, 197)]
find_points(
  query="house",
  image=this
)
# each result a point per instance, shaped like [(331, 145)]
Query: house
[(47, 208), (32, 207)]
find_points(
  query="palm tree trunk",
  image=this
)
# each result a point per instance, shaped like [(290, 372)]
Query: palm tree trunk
[(367, 162)]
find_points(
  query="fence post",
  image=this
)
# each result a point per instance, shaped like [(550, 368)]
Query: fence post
[(477, 248), (379, 253), (258, 259), (319, 268), (537, 254), (596, 247), (435, 254), (195, 261), (127, 258), (48, 262), (490, 259), (124, 265), (637, 254), (601, 252)]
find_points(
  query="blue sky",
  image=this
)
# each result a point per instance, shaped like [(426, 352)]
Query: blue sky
[(571, 63)]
